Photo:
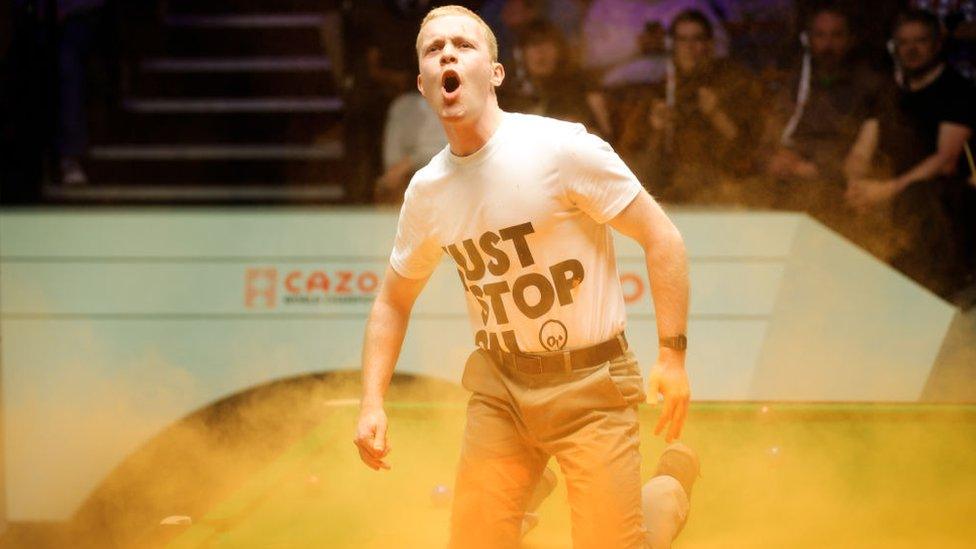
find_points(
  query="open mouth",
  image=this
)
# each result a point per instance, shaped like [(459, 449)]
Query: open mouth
[(450, 81)]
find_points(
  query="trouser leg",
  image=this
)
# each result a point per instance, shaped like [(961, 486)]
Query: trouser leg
[(665, 509), (601, 463), (497, 473)]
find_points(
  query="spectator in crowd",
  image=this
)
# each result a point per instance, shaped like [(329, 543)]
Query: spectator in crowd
[(958, 17), (544, 80), (701, 125), (382, 68), (612, 29), (761, 33), (829, 97), (909, 157), (412, 136), (506, 17)]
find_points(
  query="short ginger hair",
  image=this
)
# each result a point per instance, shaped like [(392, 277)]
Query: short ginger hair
[(461, 10)]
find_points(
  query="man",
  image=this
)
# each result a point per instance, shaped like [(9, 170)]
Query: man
[(909, 157), (548, 83), (411, 137), (521, 204), (823, 108), (701, 125), (612, 44)]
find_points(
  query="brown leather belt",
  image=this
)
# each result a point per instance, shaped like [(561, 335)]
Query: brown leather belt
[(564, 361)]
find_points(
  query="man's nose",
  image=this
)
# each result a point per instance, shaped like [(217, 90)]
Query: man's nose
[(448, 55)]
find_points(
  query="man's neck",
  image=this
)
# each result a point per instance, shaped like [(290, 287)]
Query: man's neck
[(467, 138), (925, 77)]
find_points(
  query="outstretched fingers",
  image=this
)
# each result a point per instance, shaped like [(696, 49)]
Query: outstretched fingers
[(678, 420), (667, 413), (653, 387)]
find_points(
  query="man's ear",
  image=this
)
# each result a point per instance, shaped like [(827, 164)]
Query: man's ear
[(497, 74), (420, 85)]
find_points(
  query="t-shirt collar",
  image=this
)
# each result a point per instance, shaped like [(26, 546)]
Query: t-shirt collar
[(485, 151)]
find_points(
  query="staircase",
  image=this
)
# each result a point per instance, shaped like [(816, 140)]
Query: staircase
[(230, 101)]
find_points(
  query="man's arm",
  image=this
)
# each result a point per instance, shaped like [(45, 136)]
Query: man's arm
[(667, 269), (943, 161), (385, 330), (865, 192), (857, 165)]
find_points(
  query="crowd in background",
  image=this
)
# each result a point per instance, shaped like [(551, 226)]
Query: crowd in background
[(860, 113), (873, 143)]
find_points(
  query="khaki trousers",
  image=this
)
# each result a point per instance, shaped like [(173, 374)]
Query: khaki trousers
[(587, 419)]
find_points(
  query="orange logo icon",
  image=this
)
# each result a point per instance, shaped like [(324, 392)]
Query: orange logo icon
[(260, 288)]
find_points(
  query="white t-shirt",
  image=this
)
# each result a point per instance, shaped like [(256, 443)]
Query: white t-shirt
[(524, 220)]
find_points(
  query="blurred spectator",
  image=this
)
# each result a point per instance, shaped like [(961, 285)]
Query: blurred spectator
[(958, 17), (910, 155), (544, 80), (77, 24), (413, 135), (701, 125), (612, 44), (829, 97), (762, 33), (506, 17), (383, 65)]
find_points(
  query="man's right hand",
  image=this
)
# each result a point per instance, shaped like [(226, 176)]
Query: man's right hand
[(371, 438)]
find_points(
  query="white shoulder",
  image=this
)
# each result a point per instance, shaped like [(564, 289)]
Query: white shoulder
[(430, 174), (556, 129)]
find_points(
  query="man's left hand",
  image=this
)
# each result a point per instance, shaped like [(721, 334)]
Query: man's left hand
[(669, 379)]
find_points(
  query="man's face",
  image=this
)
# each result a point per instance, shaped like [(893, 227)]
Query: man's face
[(457, 76), (541, 58), (692, 46), (830, 39), (915, 46)]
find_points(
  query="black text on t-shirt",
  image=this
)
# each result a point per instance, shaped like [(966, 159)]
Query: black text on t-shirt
[(489, 255)]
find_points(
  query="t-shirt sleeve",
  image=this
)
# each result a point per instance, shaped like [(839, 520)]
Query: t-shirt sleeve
[(958, 106), (415, 252), (594, 177)]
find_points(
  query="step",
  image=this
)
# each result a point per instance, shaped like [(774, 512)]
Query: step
[(197, 128), (181, 152), (203, 84), (229, 41), (189, 7), (264, 64), (276, 20), (217, 105), (164, 169), (318, 192)]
